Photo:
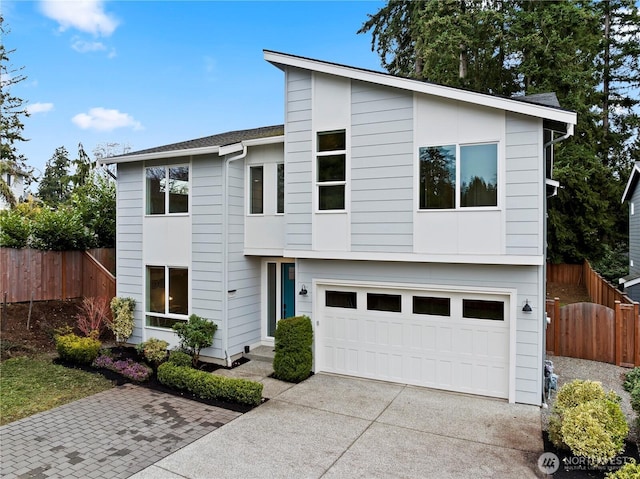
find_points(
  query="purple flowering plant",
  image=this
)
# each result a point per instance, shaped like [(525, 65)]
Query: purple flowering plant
[(127, 367)]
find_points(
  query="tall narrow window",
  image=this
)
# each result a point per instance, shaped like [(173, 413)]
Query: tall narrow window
[(155, 191), (280, 205), (479, 175), (438, 177), (257, 183), (331, 170), (179, 189)]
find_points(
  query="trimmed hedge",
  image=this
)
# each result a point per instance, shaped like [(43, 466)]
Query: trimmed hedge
[(293, 359), (179, 358), (77, 349), (209, 386)]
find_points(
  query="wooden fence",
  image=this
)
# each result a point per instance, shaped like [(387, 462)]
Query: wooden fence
[(596, 332), (28, 274)]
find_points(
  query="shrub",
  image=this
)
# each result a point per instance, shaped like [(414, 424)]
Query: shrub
[(93, 315), (595, 429), (195, 335), (209, 386), (60, 230), (631, 379), (15, 229), (127, 367), (77, 349), (122, 322), (180, 358), (631, 470), (154, 350), (293, 339)]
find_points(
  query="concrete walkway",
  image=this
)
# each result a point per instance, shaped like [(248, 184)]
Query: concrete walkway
[(112, 434), (334, 427)]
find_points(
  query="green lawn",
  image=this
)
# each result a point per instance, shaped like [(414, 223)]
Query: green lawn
[(31, 385)]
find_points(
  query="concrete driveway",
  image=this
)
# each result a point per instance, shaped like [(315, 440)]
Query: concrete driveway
[(333, 427)]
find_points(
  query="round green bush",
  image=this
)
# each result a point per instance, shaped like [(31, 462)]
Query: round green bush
[(595, 429), (293, 359), (630, 470), (179, 358), (77, 349), (154, 350)]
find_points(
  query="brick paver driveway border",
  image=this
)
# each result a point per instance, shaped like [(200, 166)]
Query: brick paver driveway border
[(112, 434)]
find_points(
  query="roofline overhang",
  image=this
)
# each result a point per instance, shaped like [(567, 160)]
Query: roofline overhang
[(220, 150), (280, 60), (631, 183)]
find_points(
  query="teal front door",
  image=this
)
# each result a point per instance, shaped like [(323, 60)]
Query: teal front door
[(288, 299)]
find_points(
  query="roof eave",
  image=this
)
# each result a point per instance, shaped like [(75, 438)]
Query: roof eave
[(631, 184), (282, 59)]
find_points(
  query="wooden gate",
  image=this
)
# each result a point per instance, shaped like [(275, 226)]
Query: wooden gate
[(596, 332)]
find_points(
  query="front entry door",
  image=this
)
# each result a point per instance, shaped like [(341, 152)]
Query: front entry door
[(281, 293)]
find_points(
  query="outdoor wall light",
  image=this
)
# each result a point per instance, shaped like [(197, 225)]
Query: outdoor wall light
[(527, 307), (303, 291)]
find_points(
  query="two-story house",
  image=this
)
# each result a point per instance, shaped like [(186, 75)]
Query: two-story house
[(407, 219), (631, 282), (15, 182)]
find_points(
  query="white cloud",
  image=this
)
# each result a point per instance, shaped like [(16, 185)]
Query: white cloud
[(84, 15), (39, 108), (102, 119), (84, 47)]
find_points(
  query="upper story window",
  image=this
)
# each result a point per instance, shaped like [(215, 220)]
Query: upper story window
[(280, 200), (256, 199), (167, 190), (458, 176), (331, 170), (9, 179)]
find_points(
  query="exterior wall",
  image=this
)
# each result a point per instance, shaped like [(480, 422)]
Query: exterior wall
[(17, 188), (634, 234), (129, 216), (381, 169), (525, 279), (298, 153), (633, 292), (525, 186)]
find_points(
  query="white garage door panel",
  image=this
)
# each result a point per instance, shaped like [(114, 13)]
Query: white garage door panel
[(453, 353)]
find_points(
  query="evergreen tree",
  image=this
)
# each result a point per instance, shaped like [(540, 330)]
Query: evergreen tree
[(56, 185), (12, 111)]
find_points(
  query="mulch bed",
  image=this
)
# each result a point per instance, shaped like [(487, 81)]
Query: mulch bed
[(127, 352), (573, 467)]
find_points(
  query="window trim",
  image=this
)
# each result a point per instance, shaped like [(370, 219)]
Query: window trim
[(250, 181), (166, 167), (458, 195), (166, 315), (315, 171)]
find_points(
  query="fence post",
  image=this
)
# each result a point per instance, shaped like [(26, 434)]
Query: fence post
[(618, 340), (556, 327)]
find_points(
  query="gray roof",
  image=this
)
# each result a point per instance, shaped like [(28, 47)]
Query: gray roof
[(221, 139), (544, 99)]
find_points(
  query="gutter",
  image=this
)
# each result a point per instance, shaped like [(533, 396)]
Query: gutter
[(223, 151), (549, 181)]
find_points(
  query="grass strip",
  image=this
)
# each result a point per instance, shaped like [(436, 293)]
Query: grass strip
[(31, 385)]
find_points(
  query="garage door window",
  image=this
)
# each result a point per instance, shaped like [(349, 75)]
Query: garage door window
[(481, 309), (432, 306), (341, 299), (384, 302)]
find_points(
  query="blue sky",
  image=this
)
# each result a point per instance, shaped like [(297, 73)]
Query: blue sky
[(148, 73)]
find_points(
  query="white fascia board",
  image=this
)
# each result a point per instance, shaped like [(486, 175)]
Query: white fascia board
[(476, 98), (631, 282), (516, 260), (270, 140), (158, 155), (634, 172)]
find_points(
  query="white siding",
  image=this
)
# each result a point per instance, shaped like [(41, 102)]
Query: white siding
[(129, 267), (298, 157), (528, 372), (381, 169), (524, 186)]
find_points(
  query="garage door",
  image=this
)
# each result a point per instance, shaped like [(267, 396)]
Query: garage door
[(454, 341)]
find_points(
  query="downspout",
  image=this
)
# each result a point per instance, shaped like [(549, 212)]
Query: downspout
[(225, 243)]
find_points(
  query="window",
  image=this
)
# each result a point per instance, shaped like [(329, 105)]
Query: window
[(280, 205), (256, 177), (432, 306), (384, 302), (341, 299), (331, 170), (8, 179), (462, 176), (482, 309), (167, 295), (175, 197)]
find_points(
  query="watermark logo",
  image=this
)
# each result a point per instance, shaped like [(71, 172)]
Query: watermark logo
[(548, 463)]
